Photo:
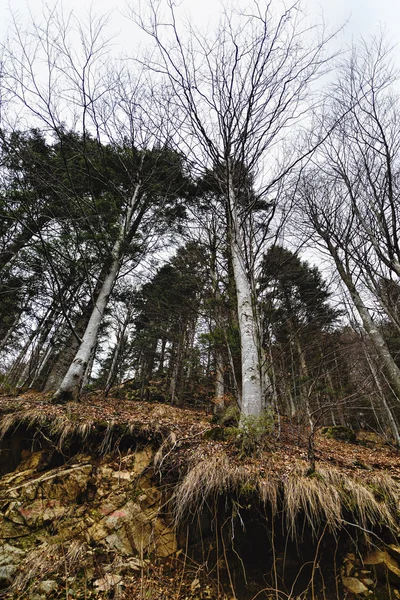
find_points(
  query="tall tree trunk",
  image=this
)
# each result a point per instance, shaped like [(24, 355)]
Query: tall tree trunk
[(15, 375), (48, 359), (373, 332), (162, 356), (37, 351), (88, 371), (388, 412), (252, 380), (65, 356), (71, 384), (189, 347), (219, 383), (176, 367), (121, 340)]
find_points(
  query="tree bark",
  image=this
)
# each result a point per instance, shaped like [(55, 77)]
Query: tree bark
[(71, 384), (219, 384), (121, 339), (252, 381)]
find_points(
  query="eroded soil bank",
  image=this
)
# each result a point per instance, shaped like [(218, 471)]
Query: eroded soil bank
[(120, 499)]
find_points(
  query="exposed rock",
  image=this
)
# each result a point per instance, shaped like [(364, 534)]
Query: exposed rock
[(10, 557), (348, 565), (105, 584), (7, 573), (12, 513), (127, 475), (47, 586), (368, 582), (120, 543), (385, 566), (10, 554), (33, 460), (9, 530), (114, 505), (126, 567), (355, 586)]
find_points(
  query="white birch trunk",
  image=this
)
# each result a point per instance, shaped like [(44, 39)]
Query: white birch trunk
[(72, 382), (219, 404), (252, 378)]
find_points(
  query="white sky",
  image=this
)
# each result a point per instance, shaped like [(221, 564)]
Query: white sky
[(365, 16)]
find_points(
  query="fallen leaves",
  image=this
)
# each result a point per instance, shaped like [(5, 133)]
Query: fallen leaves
[(186, 426)]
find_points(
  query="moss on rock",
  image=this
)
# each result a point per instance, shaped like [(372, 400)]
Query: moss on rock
[(340, 433)]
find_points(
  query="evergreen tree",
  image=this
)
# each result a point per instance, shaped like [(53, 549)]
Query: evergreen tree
[(296, 313)]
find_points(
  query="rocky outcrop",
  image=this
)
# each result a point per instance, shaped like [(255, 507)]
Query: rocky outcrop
[(92, 518), (366, 574), (384, 566)]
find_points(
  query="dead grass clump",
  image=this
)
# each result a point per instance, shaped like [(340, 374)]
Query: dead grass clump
[(60, 426), (370, 501), (269, 490), (47, 559), (209, 478), (332, 497), (312, 496), (328, 498)]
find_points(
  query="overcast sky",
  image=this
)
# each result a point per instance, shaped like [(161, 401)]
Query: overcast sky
[(365, 16)]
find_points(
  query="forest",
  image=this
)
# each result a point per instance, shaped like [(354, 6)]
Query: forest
[(209, 226)]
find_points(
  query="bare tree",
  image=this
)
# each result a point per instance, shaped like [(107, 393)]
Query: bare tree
[(350, 195), (330, 216), (237, 91)]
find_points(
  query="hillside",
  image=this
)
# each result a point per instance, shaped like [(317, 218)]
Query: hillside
[(124, 499)]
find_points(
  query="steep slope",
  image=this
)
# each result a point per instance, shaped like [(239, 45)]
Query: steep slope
[(129, 499)]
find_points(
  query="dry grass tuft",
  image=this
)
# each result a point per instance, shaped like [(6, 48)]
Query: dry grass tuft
[(168, 445), (314, 497), (269, 492), (205, 481), (49, 558), (59, 425), (332, 497), (328, 497)]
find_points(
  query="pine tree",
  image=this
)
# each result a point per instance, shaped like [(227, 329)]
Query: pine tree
[(296, 313)]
